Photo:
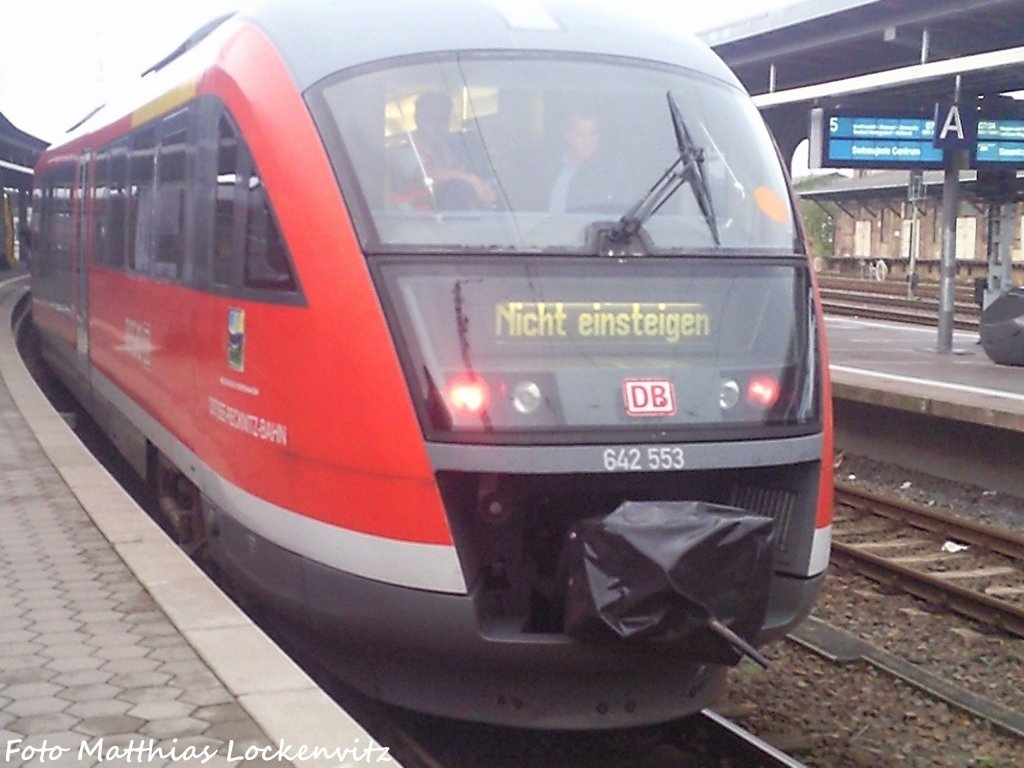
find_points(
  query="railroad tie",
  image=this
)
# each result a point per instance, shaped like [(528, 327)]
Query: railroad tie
[(977, 573), (1004, 591)]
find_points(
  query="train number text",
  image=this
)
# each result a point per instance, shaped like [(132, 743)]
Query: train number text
[(650, 459)]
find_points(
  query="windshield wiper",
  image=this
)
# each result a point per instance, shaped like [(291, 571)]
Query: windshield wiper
[(687, 169)]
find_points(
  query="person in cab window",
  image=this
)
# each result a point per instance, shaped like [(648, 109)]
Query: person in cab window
[(577, 183), (434, 170)]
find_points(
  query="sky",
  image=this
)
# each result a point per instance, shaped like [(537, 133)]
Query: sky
[(61, 58)]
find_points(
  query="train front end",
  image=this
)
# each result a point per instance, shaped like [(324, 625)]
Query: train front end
[(618, 369)]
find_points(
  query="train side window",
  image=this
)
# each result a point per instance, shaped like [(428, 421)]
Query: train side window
[(141, 199), (42, 207), (100, 185), (224, 245), (61, 232), (265, 257), (100, 196), (117, 207), (169, 204), (248, 250), (52, 252)]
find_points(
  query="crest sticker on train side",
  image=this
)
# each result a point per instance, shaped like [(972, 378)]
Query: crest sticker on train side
[(649, 397), (236, 339)]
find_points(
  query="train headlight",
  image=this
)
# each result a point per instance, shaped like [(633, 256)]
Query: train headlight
[(729, 394), (763, 391), (526, 397), (468, 394)]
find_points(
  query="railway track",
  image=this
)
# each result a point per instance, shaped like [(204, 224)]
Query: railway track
[(888, 300), (705, 740), (747, 748), (972, 569)]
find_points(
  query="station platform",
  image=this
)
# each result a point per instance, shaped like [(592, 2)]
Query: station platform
[(954, 414), (115, 649), (898, 365)]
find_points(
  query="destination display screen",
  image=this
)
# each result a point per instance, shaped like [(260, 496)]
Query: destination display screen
[(841, 140), (600, 321), (1000, 142), (564, 344)]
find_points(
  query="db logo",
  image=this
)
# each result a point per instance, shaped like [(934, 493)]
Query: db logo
[(649, 397)]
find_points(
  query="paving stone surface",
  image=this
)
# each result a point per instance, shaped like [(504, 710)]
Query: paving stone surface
[(90, 666)]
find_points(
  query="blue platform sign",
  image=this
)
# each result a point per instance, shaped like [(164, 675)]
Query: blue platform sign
[(888, 128), (1000, 143), (850, 140), (884, 152), (843, 138)]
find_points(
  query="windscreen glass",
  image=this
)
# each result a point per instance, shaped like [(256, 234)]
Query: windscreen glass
[(531, 153), (602, 346)]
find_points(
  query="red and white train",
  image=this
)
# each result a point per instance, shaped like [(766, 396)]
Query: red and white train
[(479, 336)]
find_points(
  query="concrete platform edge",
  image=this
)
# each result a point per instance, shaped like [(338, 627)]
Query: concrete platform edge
[(849, 387)]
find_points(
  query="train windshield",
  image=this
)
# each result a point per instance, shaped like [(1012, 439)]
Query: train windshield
[(551, 155)]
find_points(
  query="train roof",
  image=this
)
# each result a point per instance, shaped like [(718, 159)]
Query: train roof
[(320, 37)]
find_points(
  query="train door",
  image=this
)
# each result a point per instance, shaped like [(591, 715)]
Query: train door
[(81, 209)]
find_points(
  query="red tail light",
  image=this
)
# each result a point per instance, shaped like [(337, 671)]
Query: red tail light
[(763, 391), (468, 394)]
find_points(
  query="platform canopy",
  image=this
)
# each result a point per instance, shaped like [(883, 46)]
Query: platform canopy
[(890, 55), (18, 154), (823, 41)]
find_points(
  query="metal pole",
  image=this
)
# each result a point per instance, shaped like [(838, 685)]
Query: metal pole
[(947, 268), (1000, 269), (915, 189), (912, 255), (947, 280)]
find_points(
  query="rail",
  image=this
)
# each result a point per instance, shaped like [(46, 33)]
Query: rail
[(746, 747), (888, 300), (891, 554)]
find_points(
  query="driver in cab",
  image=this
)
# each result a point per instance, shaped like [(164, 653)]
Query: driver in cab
[(433, 172)]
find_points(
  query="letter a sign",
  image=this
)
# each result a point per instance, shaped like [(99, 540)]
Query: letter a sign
[(956, 126)]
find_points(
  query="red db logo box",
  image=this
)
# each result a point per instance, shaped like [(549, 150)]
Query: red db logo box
[(649, 397)]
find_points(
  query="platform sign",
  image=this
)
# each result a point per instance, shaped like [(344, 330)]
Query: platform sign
[(843, 139), (1000, 143), (956, 126)]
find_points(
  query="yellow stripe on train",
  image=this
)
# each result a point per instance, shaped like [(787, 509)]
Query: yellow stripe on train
[(164, 103)]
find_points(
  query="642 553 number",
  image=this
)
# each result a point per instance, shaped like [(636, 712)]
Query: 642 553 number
[(643, 459)]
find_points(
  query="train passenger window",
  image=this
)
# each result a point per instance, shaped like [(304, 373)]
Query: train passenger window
[(42, 206), (61, 235), (100, 197), (224, 207), (265, 258), (248, 250), (141, 199), (53, 242), (170, 205), (117, 207)]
